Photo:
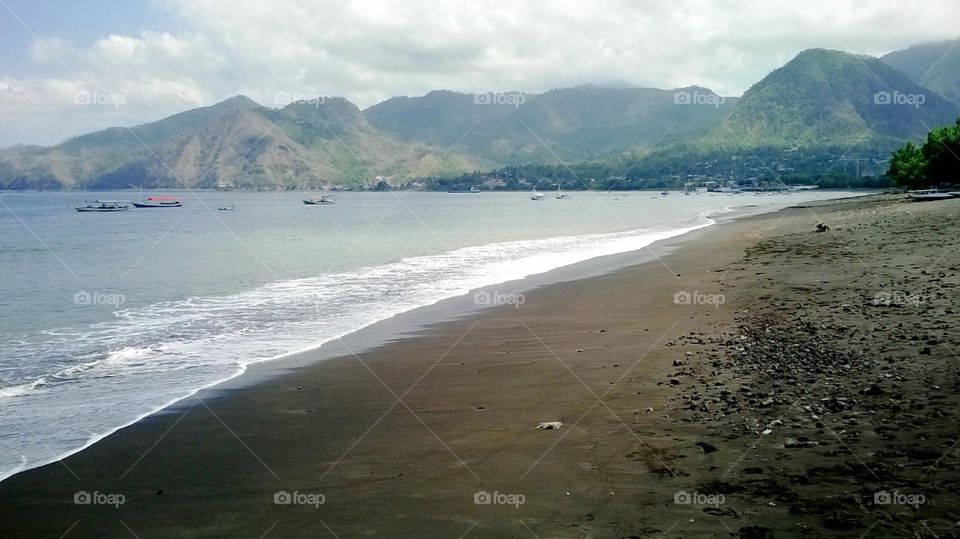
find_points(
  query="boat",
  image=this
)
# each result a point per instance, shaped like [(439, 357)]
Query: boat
[(472, 190), (227, 208), (103, 206), (534, 195), (158, 202), (922, 195), (320, 200), (664, 193), (560, 194)]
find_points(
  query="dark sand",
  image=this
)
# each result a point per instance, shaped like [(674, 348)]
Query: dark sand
[(660, 402)]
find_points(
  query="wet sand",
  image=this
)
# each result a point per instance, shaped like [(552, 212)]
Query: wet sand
[(762, 380)]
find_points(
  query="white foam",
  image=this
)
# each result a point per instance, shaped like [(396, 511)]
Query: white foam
[(148, 358)]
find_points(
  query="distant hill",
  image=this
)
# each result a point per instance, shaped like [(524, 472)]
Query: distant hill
[(933, 65), (825, 98), (569, 124)]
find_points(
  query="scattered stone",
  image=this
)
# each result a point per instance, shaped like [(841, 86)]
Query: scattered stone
[(791, 443), (706, 447)]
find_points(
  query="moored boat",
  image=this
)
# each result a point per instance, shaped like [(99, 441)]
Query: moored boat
[(158, 202), (320, 200), (922, 195), (103, 206)]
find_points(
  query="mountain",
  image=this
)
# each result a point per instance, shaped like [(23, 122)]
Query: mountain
[(237, 141), (822, 106), (566, 124), (330, 140), (934, 65), (825, 98)]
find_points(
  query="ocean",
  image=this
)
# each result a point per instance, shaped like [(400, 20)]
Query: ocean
[(108, 317)]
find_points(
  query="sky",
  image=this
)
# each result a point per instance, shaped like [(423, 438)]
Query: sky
[(68, 67)]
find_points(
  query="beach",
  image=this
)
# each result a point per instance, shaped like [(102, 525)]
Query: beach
[(756, 379)]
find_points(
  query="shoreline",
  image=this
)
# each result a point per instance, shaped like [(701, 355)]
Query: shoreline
[(406, 324), (373, 335), (401, 438)]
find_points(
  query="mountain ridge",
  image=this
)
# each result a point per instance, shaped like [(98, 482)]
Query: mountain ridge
[(837, 97), (934, 65), (819, 98)]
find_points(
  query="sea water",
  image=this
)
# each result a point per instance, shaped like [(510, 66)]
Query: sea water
[(108, 317)]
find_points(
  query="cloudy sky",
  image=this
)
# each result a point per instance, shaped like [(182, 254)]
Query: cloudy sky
[(70, 67)]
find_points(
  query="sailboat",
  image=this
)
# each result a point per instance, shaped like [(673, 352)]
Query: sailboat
[(534, 195), (560, 194)]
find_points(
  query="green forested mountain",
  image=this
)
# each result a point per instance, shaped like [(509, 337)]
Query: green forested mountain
[(933, 65), (833, 98), (568, 124), (821, 107)]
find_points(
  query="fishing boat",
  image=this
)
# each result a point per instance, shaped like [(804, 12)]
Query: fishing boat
[(320, 200), (922, 195), (472, 190), (103, 206), (534, 195), (560, 194), (158, 202)]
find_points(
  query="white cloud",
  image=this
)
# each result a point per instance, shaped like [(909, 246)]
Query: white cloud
[(370, 50)]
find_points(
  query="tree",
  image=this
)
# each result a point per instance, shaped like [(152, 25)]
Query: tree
[(908, 167), (942, 154)]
